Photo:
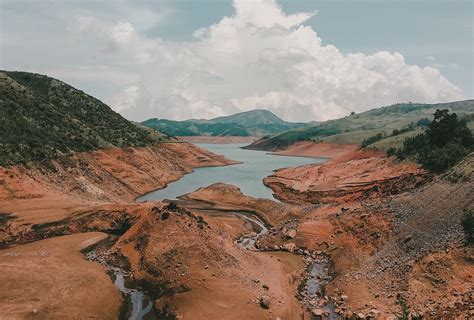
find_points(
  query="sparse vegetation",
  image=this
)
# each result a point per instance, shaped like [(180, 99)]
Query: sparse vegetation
[(371, 140), (405, 313), (468, 225)]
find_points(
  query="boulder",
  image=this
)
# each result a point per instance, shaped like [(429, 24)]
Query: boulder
[(264, 302), (290, 247), (317, 312), (291, 233)]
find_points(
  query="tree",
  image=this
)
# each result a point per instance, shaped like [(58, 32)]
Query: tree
[(444, 143), (468, 225)]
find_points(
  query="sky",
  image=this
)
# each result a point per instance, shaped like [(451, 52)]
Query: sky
[(303, 60)]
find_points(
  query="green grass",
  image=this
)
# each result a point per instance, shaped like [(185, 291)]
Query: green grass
[(356, 128)]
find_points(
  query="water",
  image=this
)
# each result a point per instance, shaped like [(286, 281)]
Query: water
[(137, 297), (248, 175), (139, 311)]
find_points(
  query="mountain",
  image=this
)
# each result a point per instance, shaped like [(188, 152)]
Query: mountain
[(393, 123), (251, 118), (41, 118), (250, 123)]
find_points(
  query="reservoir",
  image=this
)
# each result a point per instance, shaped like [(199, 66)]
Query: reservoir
[(247, 175)]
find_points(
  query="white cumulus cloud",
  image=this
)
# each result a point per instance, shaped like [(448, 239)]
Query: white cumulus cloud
[(260, 57)]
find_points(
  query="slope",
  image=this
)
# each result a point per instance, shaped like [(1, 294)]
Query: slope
[(41, 118), (358, 127)]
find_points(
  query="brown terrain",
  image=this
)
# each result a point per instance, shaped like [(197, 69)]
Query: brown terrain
[(349, 236)]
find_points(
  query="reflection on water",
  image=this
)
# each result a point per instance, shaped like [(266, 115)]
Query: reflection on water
[(248, 175)]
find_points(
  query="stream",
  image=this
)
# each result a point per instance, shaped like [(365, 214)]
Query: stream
[(247, 175), (140, 303)]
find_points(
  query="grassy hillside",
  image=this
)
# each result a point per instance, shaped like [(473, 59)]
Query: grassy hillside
[(249, 123), (359, 127), (251, 118), (41, 118)]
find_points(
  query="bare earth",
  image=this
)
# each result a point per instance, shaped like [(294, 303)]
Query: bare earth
[(384, 228), (49, 279)]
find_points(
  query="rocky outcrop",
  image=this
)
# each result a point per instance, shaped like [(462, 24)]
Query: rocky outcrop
[(345, 181)]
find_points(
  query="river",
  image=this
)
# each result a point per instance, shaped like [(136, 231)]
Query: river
[(248, 175)]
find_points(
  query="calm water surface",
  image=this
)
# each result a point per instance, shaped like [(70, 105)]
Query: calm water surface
[(248, 175)]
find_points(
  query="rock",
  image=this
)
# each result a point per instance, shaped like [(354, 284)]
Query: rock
[(264, 302), (360, 315), (348, 314), (374, 313), (317, 312), (344, 297), (291, 234), (265, 287), (290, 247), (407, 238), (35, 311), (165, 215)]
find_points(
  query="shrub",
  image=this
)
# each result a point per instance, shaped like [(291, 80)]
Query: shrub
[(391, 151), (467, 223), (371, 140)]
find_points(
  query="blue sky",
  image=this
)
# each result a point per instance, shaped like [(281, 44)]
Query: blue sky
[(296, 58)]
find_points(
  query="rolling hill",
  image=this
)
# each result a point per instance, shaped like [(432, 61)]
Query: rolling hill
[(407, 118), (42, 118), (250, 123)]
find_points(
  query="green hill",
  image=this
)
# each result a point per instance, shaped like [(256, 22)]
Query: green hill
[(42, 118), (250, 123), (407, 118), (251, 118)]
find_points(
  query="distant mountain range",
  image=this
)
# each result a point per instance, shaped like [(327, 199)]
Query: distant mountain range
[(250, 123), (43, 118), (393, 123)]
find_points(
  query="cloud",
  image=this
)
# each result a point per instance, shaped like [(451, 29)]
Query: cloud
[(259, 57)]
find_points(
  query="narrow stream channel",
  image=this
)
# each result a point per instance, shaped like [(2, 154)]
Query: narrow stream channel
[(140, 303), (248, 176)]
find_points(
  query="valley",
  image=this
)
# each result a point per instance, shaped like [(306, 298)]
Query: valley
[(154, 227)]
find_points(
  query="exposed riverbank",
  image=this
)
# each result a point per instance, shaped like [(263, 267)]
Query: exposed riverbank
[(223, 254)]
